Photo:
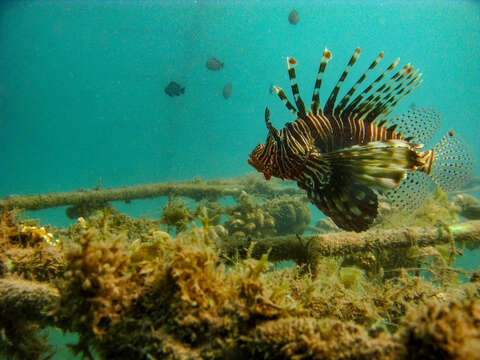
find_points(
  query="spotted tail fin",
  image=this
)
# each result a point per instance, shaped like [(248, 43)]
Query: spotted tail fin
[(450, 162), (449, 165)]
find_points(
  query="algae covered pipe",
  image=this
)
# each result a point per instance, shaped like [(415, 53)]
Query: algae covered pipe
[(195, 189), (28, 300), (301, 248), (34, 299)]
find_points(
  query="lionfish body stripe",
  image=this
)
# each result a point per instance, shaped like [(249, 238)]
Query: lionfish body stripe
[(346, 153)]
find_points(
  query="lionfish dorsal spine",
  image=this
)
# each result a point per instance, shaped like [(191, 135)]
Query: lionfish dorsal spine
[(356, 104), (328, 110), (291, 63), (374, 101), (281, 94), (340, 108), (315, 106), (417, 77), (386, 102)]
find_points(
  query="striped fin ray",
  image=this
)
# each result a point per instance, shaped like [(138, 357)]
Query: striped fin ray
[(291, 63), (352, 108), (390, 99), (315, 106), (375, 97), (410, 89), (328, 110), (348, 95), (283, 97)]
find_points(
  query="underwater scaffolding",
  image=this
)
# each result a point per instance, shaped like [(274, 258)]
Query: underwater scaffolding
[(131, 290)]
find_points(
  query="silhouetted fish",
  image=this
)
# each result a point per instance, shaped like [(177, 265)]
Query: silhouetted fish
[(174, 89), (214, 64), (293, 17), (227, 90), (345, 153)]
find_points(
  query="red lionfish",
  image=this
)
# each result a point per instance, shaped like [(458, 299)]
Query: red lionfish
[(347, 153)]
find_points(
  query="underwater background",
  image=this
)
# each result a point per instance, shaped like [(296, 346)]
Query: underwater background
[(82, 98)]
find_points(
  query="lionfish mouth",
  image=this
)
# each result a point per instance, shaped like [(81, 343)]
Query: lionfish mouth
[(257, 163), (259, 167)]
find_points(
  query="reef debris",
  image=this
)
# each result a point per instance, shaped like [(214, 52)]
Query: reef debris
[(195, 189)]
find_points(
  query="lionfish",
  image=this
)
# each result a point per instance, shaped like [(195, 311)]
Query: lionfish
[(347, 153)]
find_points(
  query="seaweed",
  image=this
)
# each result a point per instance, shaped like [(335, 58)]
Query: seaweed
[(217, 290), (444, 330), (176, 215)]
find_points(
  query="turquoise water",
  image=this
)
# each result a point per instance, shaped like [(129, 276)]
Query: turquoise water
[(81, 82)]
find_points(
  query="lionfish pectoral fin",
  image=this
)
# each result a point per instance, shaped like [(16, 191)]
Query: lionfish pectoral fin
[(380, 165), (352, 208)]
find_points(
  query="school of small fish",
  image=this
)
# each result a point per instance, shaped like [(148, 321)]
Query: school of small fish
[(214, 64)]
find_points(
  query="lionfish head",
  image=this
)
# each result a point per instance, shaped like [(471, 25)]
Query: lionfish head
[(264, 156), (262, 161)]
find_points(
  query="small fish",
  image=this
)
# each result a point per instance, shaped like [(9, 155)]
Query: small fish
[(227, 90), (293, 17), (214, 64), (174, 89), (346, 153)]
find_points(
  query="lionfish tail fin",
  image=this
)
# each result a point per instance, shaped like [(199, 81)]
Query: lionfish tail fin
[(381, 165), (450, 163)]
